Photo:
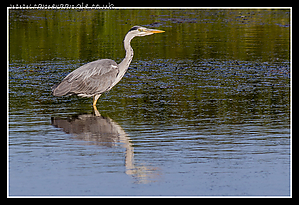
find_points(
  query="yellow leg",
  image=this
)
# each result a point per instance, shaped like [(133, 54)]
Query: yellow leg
[(95, 99)]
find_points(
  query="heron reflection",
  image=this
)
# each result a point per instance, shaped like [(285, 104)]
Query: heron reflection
[(103, 131)]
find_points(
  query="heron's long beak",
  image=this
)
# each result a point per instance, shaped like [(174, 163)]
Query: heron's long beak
[(154, 31)]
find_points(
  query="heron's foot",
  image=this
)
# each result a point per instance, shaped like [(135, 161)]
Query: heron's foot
[(96, 112)]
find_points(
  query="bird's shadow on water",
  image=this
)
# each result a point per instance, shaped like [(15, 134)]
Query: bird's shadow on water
[(96, 129)]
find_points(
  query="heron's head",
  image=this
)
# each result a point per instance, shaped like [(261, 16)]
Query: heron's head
[(142, 31)]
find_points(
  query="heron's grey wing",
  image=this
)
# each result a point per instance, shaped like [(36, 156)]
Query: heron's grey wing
[(93, 77), (95, 84)]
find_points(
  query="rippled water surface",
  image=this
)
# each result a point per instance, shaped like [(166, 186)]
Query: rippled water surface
[(204, 108)]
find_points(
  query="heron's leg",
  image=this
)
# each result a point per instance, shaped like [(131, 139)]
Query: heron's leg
[(95, 99)]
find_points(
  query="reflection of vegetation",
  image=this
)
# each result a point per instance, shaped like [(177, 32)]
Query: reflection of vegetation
[(91, 34)]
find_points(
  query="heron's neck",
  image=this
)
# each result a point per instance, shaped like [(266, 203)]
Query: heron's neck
[(123, 66)]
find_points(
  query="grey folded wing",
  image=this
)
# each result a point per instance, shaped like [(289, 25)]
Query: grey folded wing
[(88, 80)]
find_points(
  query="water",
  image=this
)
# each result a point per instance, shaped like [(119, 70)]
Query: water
[(203, 110)]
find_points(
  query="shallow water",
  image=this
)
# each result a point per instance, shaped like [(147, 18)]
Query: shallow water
[(204, 108)]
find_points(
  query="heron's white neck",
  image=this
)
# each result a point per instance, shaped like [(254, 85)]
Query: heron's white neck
[(124, 65)]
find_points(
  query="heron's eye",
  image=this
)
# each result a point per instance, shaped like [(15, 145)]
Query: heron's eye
[(140, 30)]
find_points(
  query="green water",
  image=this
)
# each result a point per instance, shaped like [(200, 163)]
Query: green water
[(46, 35)]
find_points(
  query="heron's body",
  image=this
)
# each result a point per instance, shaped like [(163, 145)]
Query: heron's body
[(88, 80), (97, 77)]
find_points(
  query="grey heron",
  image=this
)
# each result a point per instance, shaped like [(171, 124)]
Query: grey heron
[(97, 77)]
